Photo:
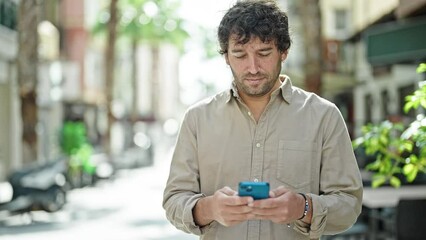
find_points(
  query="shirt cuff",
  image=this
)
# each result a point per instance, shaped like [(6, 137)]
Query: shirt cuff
[(319, 217), (188, 217)]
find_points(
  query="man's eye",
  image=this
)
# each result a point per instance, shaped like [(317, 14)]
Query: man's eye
[(264, 54), (239, 56)]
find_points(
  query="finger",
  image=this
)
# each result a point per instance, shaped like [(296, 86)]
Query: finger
[(268, 203), (240, 201), (234, 199), (243, 209), (228, 191), (279, 191)]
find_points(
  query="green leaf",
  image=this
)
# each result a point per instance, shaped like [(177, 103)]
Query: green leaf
[(408, 106), (421, 68), (408, 168), (378, 180), (395, 182), (357, 142), (373, 166), (384, 140), (423, 102), (412, 175)]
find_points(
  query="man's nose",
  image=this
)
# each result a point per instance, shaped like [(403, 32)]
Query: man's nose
[(253, 65)]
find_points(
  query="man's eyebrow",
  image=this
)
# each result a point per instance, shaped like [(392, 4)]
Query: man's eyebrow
[(237, 50), (265, 49)]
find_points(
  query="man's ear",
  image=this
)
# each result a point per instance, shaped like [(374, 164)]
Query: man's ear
[(284, 55), (225, 55)]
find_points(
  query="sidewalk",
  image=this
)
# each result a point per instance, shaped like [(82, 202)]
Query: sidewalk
[(127, 207)]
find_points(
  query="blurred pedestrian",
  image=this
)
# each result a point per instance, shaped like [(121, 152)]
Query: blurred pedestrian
[(262, 129)]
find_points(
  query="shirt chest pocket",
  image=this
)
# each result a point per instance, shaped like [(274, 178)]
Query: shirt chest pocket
[(294, 163)]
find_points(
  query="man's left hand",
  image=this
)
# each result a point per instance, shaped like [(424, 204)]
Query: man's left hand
[(282, 206)]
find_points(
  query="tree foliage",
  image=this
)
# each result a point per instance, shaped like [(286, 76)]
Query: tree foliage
[(149, 21), (399, 150)]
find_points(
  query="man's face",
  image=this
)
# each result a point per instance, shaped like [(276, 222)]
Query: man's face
[(255, 65)]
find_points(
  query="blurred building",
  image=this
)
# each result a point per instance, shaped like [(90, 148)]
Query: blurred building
[(71, 81), (370, 51), (49, 89), (340, 21), (388, 49), (9, 109)]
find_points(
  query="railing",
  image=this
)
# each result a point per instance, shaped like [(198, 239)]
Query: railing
[(8, 14)]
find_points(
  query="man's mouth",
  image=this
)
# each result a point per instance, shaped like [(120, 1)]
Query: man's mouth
[(254, 80)]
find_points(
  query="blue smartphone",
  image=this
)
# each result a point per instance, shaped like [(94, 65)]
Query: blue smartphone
[(257, 190)]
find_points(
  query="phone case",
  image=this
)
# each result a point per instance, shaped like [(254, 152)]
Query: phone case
[(257, 190)]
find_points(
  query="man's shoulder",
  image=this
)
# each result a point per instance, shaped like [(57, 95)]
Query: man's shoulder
[(302, 96), (211, 102)]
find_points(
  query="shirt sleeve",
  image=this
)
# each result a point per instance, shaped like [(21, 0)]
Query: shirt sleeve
[(339, 202), (183, 189)]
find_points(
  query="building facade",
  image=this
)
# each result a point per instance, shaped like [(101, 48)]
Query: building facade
[(9, 109)]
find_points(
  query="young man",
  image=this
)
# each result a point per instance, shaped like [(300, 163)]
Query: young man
[(262, 129)]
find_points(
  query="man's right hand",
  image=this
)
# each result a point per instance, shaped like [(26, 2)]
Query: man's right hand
[(225, 207)]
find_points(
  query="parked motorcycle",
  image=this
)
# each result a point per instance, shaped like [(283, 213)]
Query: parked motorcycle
[(42, 186), (8, 204)]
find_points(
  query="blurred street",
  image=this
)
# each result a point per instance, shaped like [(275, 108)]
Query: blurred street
[(126, 207), (92, 94)]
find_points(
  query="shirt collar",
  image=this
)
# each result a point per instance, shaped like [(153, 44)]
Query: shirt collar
[(285, 89)]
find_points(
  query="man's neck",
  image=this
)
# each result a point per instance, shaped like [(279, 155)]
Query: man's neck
[(256, 104)]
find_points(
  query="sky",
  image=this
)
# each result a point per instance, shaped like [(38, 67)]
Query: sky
[(205, 12)]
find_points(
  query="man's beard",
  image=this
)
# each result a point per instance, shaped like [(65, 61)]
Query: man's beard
[(267, 84)]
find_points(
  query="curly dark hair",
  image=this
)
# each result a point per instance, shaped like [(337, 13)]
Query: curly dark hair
[(254, 18)]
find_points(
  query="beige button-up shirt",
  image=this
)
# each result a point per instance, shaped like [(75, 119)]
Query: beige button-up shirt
[(300, 142)]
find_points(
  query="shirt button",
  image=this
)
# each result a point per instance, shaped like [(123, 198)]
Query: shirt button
[(258, 145), (249, 113), (255, 180)]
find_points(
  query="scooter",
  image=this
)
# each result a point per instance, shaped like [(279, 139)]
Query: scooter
[(43, 187), (9, 205)]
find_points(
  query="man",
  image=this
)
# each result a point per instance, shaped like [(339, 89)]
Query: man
[(262, 129)]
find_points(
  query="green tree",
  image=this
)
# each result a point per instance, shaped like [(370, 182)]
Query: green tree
[(110, 66), (108, 27), (154, 22), (27, 69), (310, 16), (399, 150)]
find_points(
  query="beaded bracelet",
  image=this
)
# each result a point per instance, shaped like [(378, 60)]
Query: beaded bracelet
[(305, 211)]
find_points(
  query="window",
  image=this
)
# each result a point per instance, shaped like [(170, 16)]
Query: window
[(340, 17), (368, 108), (8, 12), (385, 103)]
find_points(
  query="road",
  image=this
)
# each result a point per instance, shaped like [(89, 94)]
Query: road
[(127, 207)]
